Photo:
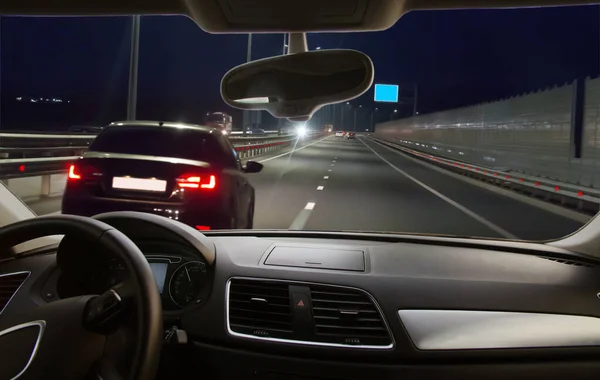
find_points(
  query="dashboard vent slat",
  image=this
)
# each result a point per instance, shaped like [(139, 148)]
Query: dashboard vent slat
[(9, 285), (348, 316), (260, 308)]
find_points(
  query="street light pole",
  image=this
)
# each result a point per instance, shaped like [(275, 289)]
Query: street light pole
[(280, 121), (246, 118), (133, 68), (416, 95)]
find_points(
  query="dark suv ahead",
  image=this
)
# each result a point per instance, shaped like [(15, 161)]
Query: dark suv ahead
[(185, 172)]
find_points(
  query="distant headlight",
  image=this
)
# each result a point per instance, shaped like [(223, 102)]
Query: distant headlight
[(301, 131)]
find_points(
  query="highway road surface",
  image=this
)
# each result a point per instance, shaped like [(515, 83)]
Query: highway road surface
[(360, 185)]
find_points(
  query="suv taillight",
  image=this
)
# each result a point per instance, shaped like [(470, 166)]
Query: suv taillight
[(82, 171), (196, 181)]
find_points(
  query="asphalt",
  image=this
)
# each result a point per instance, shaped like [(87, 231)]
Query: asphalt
[(359, 185)]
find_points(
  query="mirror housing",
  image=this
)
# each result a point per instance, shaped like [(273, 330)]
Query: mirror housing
[(253, 167), (295, 86)]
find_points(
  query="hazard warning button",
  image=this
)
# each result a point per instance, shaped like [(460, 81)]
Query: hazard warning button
[(300, 300), (302, 307)]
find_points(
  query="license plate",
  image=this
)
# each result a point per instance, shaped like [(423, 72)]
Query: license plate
[(140, 184)]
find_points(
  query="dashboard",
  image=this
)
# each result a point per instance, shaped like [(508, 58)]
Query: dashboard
[(298, 305)]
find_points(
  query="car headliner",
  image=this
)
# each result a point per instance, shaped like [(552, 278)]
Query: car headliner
[(269, 16)]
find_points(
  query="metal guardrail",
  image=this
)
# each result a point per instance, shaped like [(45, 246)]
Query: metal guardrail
[(577, 197), (15, 142), (56, 158)]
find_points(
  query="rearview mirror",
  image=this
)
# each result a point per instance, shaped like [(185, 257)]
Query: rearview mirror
[(253, 167), (295, 86)]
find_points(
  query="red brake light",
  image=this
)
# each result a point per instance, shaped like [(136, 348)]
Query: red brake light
[(83, 171), (203, 228), (73, 173), (193, 181)]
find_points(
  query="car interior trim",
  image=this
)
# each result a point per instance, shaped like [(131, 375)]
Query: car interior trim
[(303, 342), (169, 259), (18, 288), (476, 329), (41, 324)]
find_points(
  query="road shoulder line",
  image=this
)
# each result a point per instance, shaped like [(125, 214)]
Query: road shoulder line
[(561, 211), (462, 208)]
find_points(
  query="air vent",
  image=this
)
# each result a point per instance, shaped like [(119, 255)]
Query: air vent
[(260, 308), (9, 285), (306, 313), (347, 316), (569, 262)]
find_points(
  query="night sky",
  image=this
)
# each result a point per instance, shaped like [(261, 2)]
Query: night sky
[(456, 58)]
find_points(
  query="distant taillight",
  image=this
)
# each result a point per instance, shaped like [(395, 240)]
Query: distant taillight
[(194, 181)]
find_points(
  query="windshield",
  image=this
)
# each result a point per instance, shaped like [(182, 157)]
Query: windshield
[(479, 123)]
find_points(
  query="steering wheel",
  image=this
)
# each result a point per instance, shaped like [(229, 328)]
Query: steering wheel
[(67, 339)]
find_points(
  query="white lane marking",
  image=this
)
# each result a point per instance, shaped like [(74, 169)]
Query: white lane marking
[(293, 150), (462, 208), (558, 210), (332, 165), (300, 220), (329, 170), (320, 187), (326, 177), (333, 161)]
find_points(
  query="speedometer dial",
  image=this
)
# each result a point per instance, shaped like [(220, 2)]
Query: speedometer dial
[(187, 283)]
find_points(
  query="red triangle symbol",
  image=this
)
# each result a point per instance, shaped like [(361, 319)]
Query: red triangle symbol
[(300, 304)]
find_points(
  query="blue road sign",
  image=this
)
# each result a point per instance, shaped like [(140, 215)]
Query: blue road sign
[(386, 93)]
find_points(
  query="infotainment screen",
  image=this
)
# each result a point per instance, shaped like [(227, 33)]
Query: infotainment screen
[(160, 273)]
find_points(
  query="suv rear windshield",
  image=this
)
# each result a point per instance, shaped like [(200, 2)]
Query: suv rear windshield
[(164, 142)]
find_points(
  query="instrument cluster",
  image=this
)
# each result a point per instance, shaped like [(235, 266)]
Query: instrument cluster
[(182, 276)]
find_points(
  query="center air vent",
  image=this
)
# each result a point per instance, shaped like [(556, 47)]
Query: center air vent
[(347, 316), (9, 285), (305, 313), (260, 308)]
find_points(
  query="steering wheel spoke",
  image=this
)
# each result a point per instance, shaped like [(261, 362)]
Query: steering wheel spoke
[(103, 313)]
